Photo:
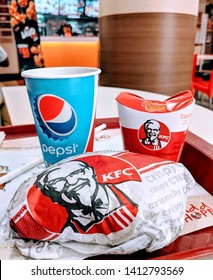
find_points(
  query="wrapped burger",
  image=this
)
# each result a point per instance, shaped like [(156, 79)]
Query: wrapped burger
[(109, 199)]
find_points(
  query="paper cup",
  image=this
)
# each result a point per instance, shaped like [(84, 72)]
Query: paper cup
[(63, 102), (153, 127)]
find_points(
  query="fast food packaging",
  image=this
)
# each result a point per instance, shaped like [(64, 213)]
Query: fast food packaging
[(100, 203), (155, 127), (64, 122)]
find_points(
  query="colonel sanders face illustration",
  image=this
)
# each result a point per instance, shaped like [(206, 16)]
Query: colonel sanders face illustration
[(152, 130), (74, 186), (155, 135), (68, 183)]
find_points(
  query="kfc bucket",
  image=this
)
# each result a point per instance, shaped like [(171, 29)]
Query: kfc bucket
[(155, 127)]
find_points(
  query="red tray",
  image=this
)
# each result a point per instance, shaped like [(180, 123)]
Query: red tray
[(197, 156)]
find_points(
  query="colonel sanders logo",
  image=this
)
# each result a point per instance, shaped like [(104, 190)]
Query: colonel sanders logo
[(154, 135), (91, 206)]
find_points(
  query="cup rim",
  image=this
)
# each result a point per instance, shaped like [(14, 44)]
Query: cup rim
[(54, 72)]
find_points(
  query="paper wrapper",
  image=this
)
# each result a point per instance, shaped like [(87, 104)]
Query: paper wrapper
[(199, 212), (100, 203), (154, 127)]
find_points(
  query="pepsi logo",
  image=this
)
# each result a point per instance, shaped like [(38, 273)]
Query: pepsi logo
[(55, 116)]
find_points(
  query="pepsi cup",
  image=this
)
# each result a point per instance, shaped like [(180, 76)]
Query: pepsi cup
[(63, 103)]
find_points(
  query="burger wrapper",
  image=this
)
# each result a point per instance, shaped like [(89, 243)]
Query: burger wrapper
[(110, 202)]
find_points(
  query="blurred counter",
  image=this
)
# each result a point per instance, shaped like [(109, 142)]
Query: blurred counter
[(73, 51)]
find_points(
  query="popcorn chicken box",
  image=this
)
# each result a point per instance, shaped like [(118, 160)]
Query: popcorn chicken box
[(155, 127)]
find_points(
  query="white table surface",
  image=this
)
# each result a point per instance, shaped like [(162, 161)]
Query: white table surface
[(17, 102)]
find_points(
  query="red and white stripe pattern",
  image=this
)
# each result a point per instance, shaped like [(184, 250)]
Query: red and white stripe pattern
[(27, 227)]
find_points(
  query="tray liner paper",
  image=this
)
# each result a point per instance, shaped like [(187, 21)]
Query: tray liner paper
[(100, 203)]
